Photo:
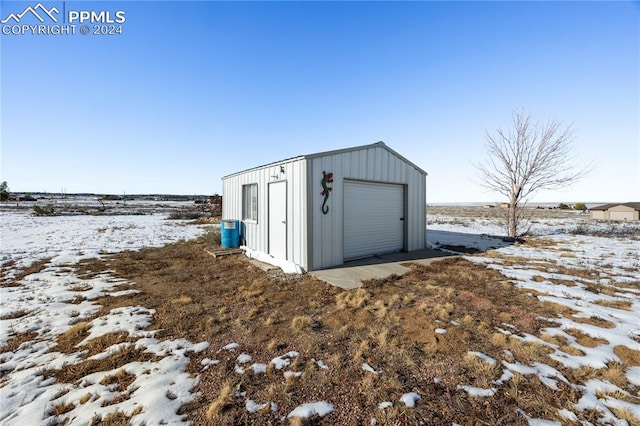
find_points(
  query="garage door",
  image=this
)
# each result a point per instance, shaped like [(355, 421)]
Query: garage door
[(373, 218), (620, 215)]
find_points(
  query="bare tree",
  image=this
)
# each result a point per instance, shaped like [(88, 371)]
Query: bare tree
[(525, 159)]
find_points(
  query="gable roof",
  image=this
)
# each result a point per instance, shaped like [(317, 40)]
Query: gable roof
[(332, 152), (633, 205)]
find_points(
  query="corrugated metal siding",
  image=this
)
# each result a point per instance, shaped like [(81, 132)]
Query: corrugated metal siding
[(376, 164), (257, 233)]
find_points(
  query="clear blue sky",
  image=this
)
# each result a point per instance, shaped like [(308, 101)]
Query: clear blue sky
[(192, 91)]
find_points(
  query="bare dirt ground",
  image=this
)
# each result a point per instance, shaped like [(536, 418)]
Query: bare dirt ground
[(455, 332), (388, 324)]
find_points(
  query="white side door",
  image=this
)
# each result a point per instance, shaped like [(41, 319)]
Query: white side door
[(278, 219)]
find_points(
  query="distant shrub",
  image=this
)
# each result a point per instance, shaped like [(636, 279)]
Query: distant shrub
[(580, 206), (608, 229), (47, 210), (186, 215), (563, 206), (4, 191), (212, 237)]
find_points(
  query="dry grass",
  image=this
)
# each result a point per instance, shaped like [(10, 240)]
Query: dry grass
[(626, 414), (60, 409), (35, 267), (540, 242), (586, 340), (72, 372), (592, 320), (559, 309), (182, 300), (15, 314), (117, 418), (301, 323), (223, 401), (121, 378), (615, 373), (389, 324), (616, 304), (81, 287), (353, 299), (628, 356), (68, 340), (14, 342)]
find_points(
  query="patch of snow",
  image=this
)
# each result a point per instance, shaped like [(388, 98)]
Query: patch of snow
[(68, 239), (409, 399), (282, 361), (259, 368), (229, 347), (288, 374), (385, 404), (123, 293), (569, 415), (208, 362), (591, 400), (253, 407), (547, 374), (287, 266), (538, 422), (633, 375), (441, 331), (244, 358), (485, 358), (56, 299), (506, 376), (320, 363), (111, 350), (478, 392), (130, 319), (370, 369), (162, 385), (310, 409)]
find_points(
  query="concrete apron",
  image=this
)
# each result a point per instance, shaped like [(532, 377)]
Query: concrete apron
[(352, 274)]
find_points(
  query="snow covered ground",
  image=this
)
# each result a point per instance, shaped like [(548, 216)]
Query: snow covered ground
[(605, 306), (44, 303), (597, 277)]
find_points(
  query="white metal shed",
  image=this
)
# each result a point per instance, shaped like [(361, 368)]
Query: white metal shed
[(323, 209)]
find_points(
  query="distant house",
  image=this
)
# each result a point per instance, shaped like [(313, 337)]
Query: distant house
[(320, 210), (615, 211)]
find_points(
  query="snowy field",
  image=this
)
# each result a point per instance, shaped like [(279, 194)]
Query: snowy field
[(604, 305), (596, 277), (44, 303)]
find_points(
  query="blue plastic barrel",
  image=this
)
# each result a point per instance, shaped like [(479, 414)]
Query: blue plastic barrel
[(230, 234)]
